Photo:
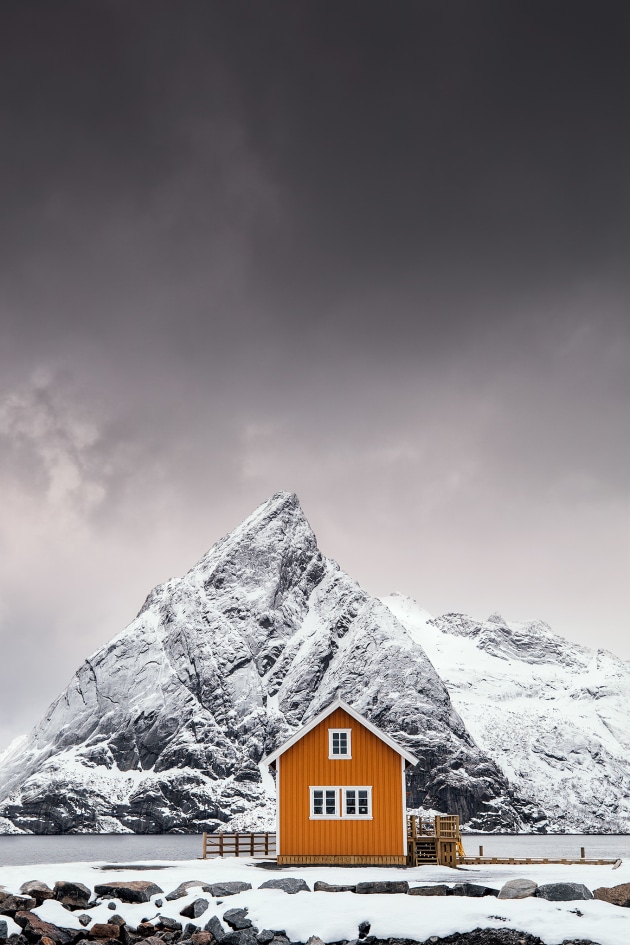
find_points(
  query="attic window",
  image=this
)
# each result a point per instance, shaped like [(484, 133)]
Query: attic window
[(339, 743)]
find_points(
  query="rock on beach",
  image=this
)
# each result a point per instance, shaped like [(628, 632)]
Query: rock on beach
[(615, 895), (137, 890)]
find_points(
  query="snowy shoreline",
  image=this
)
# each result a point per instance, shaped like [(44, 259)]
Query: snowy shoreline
[(334, 917)]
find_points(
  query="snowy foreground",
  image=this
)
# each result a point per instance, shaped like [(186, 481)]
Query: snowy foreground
[(336, 916)]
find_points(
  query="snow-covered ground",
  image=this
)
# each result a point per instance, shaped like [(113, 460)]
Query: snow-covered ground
[(336, 916)]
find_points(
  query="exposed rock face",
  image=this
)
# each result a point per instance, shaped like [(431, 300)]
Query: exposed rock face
[(163, 728), (551, 713)]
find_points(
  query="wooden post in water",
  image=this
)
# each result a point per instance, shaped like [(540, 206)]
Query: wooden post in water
[(582, 853), (480, 850), (205, 840)]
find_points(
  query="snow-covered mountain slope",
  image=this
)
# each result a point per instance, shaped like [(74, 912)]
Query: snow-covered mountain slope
[(163, 728), (555, 716)]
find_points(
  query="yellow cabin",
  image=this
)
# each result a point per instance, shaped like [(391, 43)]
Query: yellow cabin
[(340, 785)]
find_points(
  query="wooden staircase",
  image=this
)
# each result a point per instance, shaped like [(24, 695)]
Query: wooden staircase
[(436, 841)]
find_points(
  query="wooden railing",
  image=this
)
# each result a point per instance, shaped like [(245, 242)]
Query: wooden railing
[(257, 845), (434, 840)]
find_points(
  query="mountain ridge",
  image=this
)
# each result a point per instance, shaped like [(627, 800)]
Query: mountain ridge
[(551, 713), (163, 728)]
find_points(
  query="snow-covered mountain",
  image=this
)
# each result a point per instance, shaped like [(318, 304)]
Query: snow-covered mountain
[(555, 716), (163, 728)]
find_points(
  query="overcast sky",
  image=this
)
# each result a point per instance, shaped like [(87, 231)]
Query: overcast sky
[(374, 253)]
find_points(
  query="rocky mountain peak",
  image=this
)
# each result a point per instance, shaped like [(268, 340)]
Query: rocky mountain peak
[(164, 727), (275, 544)]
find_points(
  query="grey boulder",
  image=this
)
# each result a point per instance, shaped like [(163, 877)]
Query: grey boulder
[(472, 890), (195, 908), (219, 890), (4, 931), (321, 886), (180, 891), (137, 890), (214, 926), (240, 937), (237, 919), (518, 889), (564, 892), (71, 894), (287, 885), (171, 925), (384, 886), (438, 890)]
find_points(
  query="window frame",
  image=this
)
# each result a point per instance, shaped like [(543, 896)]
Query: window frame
[(339, 731), (324, 816), (340, 801), (357, 788)]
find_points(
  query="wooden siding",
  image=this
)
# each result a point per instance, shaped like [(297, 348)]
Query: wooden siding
[(373, 763), (330, 860)]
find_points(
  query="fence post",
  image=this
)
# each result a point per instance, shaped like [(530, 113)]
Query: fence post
[(236, 844), (205, 840), (221, 844)]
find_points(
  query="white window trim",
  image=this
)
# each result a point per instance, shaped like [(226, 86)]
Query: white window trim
[(360, 787), (348, 732), (324, 788), (340, 801)]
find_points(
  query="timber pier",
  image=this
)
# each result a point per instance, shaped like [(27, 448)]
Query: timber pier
[(431, 841)]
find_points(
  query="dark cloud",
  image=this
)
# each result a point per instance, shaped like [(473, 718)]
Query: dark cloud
[(374, 254)]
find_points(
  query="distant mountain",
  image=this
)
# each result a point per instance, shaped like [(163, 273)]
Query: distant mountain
[(163, 728), (555, 716)]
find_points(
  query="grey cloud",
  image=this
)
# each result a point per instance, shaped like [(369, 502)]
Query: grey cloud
[(376, 257)]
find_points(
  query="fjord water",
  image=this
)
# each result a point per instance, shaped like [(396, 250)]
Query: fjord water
[(152, 848)]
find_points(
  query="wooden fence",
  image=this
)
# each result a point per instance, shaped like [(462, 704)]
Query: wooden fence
[(257, 845)]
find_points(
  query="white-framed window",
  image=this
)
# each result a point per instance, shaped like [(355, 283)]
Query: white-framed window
[(325, 802), (341, 803), (340, 743), (357, 802)]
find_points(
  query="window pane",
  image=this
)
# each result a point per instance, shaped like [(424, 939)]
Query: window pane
[(339, 743), (331, 805), (318, 802), (351, 802), (363, 802)]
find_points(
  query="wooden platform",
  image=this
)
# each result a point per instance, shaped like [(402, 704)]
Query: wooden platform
[(529, 860), (435, 840)]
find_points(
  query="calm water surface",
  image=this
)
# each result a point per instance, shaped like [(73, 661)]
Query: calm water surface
[(130, 848)]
